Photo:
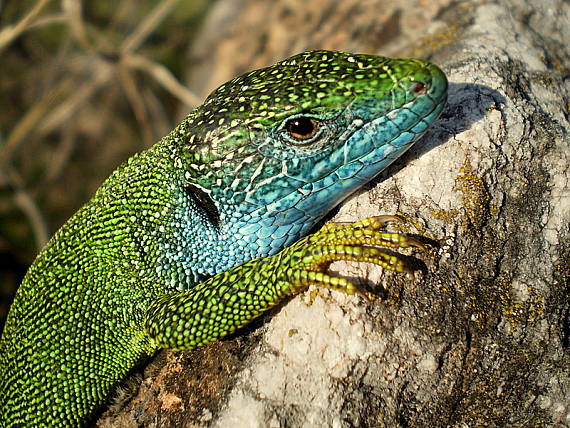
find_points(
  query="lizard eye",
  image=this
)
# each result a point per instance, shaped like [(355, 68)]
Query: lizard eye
[(302, 128)]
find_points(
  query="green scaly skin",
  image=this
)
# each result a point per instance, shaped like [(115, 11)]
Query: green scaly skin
[(197, 236)]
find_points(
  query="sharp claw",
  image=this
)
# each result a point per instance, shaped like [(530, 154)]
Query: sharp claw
[(388, 218), (363, 293), (413, 242)]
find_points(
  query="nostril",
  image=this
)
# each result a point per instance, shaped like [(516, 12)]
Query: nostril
[(419, 88)]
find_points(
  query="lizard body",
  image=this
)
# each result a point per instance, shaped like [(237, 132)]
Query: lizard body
[(196, 236)]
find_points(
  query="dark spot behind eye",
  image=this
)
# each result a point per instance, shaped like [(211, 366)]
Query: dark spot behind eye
[(302, 128)]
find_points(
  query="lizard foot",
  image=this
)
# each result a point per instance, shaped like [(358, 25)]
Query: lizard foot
[(363, 241)]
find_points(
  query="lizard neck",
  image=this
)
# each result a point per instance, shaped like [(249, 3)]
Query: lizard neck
[(203, 243)]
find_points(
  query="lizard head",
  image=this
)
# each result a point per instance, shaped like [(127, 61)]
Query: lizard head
[(272, 151)]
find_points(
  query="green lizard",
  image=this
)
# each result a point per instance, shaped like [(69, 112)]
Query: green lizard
[(198, 235)]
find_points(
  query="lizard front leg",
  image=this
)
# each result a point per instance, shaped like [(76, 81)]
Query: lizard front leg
[(232, 299)]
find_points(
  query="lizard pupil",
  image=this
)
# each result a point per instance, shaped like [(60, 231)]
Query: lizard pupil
[(302, 128)]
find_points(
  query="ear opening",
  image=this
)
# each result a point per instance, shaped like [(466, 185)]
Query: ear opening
[(205, 202)]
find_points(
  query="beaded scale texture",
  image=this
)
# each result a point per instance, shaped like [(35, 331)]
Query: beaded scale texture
[(198, 235)]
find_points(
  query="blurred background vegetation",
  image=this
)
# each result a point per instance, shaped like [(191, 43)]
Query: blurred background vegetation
[(83, 85)]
